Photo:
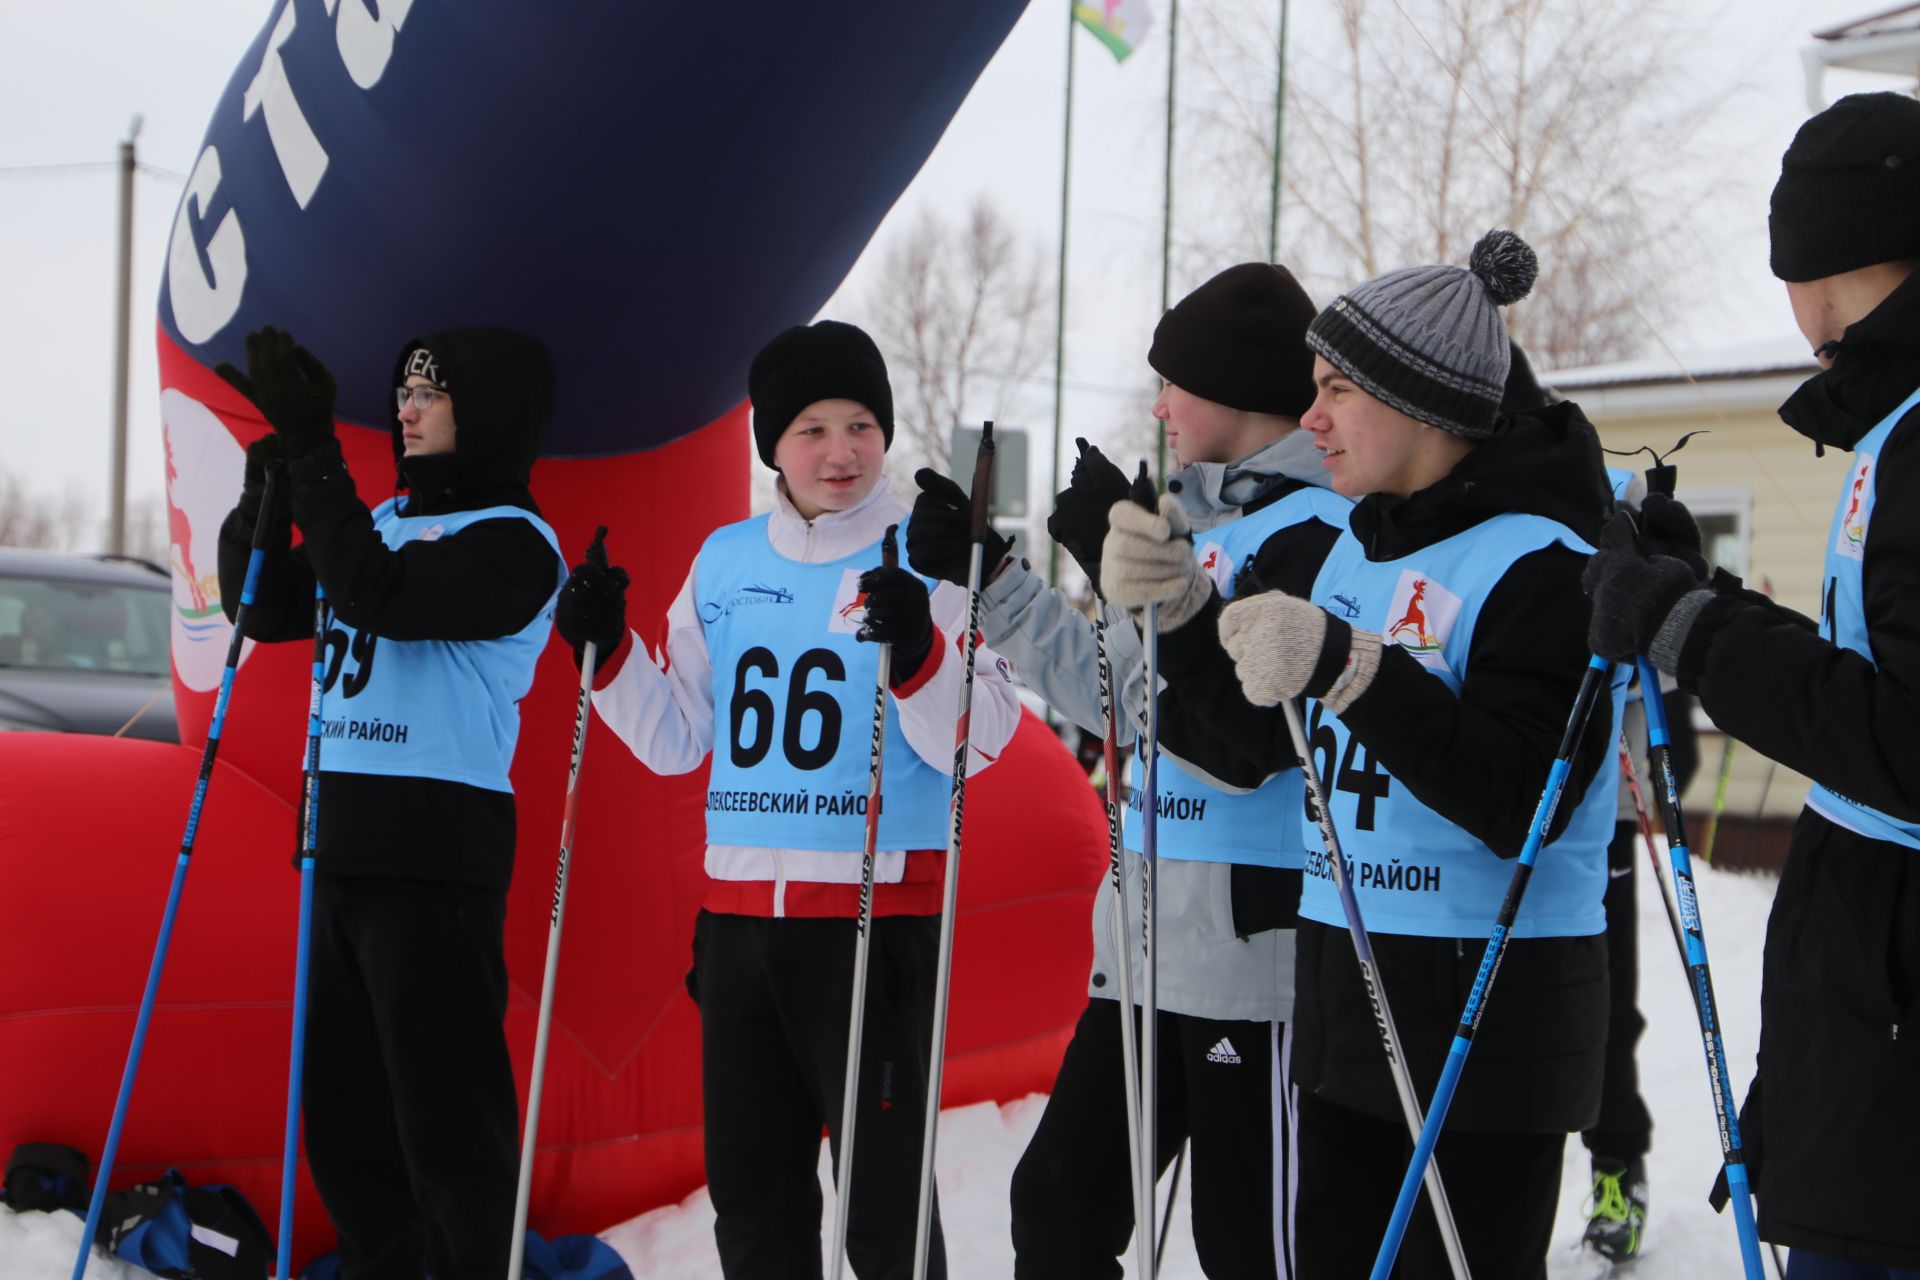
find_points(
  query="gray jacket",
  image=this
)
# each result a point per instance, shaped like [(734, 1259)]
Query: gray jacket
[(1203, 968)]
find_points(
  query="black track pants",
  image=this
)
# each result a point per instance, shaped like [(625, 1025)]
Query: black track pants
[(412, 1126), (1503, 1189), (774, 1004), (1221, 1084), (1625, 1128)]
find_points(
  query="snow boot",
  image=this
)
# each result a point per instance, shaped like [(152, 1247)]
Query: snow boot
[(1617, 1209)]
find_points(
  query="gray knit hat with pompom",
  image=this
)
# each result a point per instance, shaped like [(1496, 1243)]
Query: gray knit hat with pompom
[(1429, 341)]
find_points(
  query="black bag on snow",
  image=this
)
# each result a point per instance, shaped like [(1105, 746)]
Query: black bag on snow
[(46, 1175)]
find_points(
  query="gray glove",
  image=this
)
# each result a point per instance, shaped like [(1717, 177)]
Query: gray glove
[(1283, 647), (1148, 559)]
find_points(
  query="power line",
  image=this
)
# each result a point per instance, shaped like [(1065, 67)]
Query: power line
[(85, 166), (51, 170)]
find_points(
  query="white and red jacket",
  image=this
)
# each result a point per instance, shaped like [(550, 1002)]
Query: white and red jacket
[(663, 710)]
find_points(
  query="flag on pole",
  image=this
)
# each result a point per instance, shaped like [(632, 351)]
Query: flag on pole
[(1119, 24)]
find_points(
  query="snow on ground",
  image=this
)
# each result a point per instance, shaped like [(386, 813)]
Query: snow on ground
[(979, 1145)]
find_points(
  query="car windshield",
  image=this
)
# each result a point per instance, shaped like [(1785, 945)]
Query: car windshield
[(60, 624)]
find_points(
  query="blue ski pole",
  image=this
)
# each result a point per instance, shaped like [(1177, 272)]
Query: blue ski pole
[(309, 843), (1667, 794), (207, 754), (1598, 669)]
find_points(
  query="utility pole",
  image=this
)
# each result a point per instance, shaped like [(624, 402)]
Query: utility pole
[(1279, 131), (122, 329), (1060, 303)]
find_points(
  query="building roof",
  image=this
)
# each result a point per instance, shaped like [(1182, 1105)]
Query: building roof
[(1786, 354), (1901, 17), (1887, 42)]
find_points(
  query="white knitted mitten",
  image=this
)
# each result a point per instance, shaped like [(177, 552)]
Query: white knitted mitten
[(1283, 646), (1148, 559)]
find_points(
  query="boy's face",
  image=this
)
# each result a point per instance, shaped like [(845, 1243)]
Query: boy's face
[(831, 456), (430, 430), (1814, 313), (1366, 446), (1199, 430)]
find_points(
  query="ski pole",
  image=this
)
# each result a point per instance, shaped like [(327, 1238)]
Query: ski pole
[(1149, 749), (1719, 797), (303, 946), (1631, 776), (1376, 989), (251, 583), (1668, 795), (1598, 670), (556, 919), (1116, 875), (1166, 1218), (862, 929), (949, 894)]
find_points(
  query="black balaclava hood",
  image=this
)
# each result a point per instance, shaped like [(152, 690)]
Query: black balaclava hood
[(501, 384)]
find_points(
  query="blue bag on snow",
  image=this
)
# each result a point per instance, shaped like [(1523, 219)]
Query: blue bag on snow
[(177, 1230)]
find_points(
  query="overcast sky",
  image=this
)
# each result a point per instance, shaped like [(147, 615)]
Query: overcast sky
[(73, 75)]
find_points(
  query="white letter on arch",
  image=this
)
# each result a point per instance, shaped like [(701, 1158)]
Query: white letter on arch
[(303, 161), (366, 41), (202, 307)]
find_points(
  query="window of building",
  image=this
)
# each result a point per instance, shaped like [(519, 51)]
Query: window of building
[(1725, 517)]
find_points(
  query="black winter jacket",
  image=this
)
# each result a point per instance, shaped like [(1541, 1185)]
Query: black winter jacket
[(1839, 1066), (486, 581), (1479, 758)]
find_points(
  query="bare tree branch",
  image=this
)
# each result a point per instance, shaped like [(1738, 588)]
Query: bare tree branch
[(961, 311)]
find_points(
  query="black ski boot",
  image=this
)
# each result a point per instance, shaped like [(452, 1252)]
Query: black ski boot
[(1617, 1210)]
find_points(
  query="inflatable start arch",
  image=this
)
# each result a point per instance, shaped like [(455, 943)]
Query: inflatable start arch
[(653, 190)]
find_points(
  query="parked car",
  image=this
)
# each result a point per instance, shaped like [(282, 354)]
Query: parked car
[(83, 645)]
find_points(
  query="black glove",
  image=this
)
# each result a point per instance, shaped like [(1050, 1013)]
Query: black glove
[(593, 604), (288, 384), (937, 541), (263, 455), (1667, 528), (1079, 519), (1633, 591), (899, 613)]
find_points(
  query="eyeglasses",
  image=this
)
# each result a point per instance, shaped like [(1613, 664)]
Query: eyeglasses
[(423, 398)]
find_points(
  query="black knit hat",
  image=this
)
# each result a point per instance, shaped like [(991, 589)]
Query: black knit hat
[(824, 361), (1429, 341), (1240, 340), (1849, 189)]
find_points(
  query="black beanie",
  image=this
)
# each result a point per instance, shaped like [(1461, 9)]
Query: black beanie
[(824, 361), (1849, 189), (1240, 340)]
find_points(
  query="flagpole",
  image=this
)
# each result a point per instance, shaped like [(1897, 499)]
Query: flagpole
[(1166, 216), (1060, 303), (1279, 121)]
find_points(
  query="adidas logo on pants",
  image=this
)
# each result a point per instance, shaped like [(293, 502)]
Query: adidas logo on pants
[(1223, 1051)]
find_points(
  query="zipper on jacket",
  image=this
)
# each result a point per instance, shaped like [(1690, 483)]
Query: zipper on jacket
[(779, 886)]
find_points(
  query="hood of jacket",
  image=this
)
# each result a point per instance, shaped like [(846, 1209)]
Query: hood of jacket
[(1546, 462), (1876, 366), (501, 384), (1214, 492)]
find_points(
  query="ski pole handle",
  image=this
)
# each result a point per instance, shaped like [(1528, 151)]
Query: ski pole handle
[(1143, 490), (982, 486), (268, 493), (890, 548)]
